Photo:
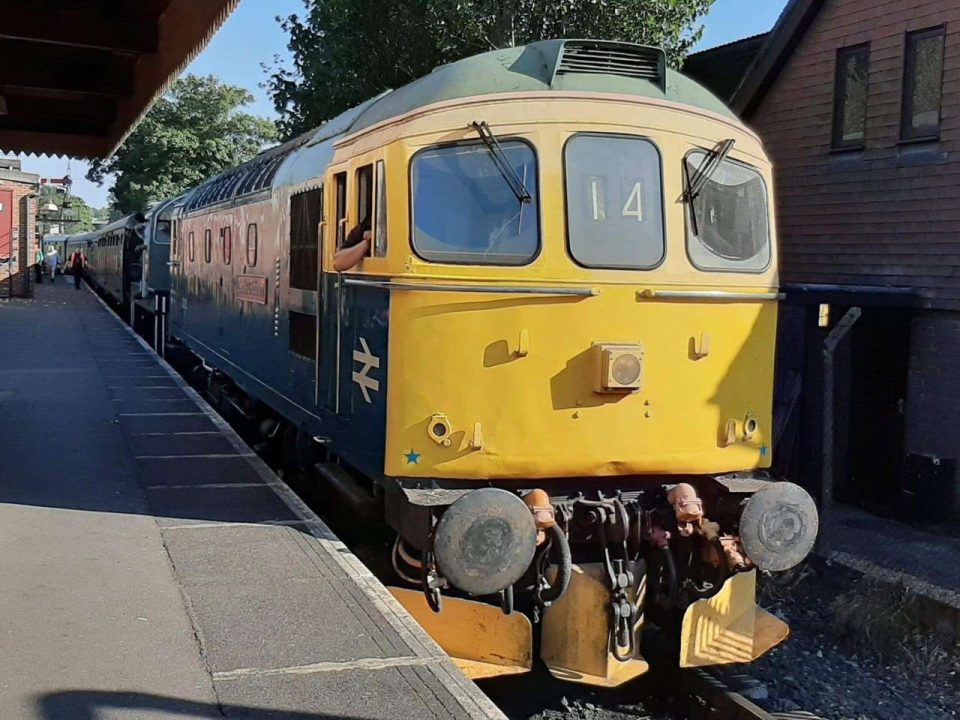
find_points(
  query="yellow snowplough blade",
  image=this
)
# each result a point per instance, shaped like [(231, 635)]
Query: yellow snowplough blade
[(480, 639), (729, 627)]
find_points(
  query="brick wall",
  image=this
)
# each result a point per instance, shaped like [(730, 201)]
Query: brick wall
[(24, 241)]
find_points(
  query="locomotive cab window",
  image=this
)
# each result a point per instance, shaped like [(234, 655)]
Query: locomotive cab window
[(465, 209), (340, 180), (728, 226), (380, 212), (614, 202)]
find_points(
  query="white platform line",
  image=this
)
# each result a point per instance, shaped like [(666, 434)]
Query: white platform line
[(175, 434), (206, 486), (327, 667), (210, 456), (162, 414), (260, 524)]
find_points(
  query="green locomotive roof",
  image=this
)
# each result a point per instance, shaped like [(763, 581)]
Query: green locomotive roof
[(560, 65)]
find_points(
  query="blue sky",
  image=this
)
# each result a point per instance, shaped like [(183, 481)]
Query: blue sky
[(252, 37)]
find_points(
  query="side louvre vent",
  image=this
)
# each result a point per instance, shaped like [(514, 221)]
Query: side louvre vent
[(598, 57)]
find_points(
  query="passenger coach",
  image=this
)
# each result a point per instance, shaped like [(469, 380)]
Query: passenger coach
[(549, 366)]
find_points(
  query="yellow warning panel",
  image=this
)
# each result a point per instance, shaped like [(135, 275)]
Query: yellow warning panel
[(480, 639), (729, 627), (575, 644)]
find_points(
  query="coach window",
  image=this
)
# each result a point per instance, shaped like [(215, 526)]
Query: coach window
[(340, 179), (226, 244), (304, 238), (207, 245), (727, 222), (192, 249), (614, 202), (467, 211), (850, 97), (252, 244), (922, 85)]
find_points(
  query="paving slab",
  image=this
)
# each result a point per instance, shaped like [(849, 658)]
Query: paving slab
[(154, 567)]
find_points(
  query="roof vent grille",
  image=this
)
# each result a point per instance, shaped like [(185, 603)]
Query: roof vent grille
[(598, 57)]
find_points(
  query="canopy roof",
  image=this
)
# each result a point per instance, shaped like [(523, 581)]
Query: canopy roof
[(78, 75)]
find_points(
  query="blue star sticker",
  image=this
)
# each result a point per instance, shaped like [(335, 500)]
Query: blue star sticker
[(413, 458), (764, 450)]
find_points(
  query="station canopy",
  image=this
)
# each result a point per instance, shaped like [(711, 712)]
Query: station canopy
[(78, 75)]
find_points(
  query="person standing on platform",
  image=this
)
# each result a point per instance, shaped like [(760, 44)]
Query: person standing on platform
[(78, 262), (52, 261), (38, 265)]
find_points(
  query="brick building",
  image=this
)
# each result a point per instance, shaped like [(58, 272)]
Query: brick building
[(858, 104), (18, 241)]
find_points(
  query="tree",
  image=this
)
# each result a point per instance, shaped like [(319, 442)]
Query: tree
[(345, 51), (194, 131)]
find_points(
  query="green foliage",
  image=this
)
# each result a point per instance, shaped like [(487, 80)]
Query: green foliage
[(346, 51), (73, 214), (194, 131)]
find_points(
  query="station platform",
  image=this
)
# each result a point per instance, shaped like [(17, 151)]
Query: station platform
[(151, 566)]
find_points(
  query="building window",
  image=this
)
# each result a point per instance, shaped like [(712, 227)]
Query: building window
[(850, 97), (252, 244), (226, 244), (922, 85), (207, 245), (305, 238)]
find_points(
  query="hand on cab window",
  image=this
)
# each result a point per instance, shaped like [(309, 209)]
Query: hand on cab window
[(355, 248)]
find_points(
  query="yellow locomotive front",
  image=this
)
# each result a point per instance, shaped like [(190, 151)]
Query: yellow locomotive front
[(581, 347)]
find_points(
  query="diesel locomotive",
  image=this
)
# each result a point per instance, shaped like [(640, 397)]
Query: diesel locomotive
[(552, 374)]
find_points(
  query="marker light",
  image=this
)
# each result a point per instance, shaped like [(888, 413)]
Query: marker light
[(620, 367)]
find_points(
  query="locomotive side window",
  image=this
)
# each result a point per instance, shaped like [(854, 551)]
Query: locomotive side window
[(226, 244), (614, 202), (304, 239), (192, 249), (466, 212), (380, 212), (727, 222), (252, 244), (208, 245)]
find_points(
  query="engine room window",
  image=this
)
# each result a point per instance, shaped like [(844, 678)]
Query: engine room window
[(252, 244), (304, 238), (207, 245), (303, 335), (466, 211), (226, 245), (727, 222), (614, 202), (192, 249)]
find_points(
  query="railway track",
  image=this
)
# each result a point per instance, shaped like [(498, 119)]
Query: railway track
[(719, 702)]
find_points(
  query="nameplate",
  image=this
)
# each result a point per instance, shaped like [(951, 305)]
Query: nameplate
[(252, 288)]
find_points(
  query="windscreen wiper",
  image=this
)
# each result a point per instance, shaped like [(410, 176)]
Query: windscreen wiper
[(698, 181), (500, 160)]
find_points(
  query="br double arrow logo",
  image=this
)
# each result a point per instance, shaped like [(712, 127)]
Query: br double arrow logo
[(368, 362)]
